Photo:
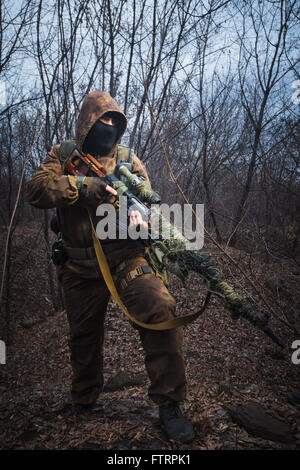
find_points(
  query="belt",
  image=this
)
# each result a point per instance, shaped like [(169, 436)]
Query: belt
[(89, 253), (80, 253)]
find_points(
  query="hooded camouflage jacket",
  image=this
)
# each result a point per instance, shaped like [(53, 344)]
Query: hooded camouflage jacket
[(51, 188)]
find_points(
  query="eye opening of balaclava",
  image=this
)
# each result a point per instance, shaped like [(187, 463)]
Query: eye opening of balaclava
[(102, 137)]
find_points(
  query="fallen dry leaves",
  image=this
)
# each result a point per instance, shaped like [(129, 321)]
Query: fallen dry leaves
[(227, 363)]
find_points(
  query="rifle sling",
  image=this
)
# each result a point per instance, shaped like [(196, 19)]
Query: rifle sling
[(166, 325)]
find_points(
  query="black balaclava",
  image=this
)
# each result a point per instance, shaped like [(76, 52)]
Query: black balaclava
[(100, 139)]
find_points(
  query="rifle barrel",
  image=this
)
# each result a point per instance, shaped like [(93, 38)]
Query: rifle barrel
[(275, 338)]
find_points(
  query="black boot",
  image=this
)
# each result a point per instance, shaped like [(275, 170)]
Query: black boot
[(79, 409), (175, 424), (294, 398)]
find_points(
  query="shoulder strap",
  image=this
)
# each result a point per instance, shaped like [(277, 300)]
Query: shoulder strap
[(125, 154), (67, 147)]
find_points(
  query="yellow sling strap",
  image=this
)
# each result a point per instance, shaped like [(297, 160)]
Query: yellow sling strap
[(165, 325)]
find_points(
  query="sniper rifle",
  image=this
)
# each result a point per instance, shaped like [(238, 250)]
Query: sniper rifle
[(174, 249)]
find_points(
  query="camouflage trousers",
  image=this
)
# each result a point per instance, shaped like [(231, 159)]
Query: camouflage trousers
[(149, 301)]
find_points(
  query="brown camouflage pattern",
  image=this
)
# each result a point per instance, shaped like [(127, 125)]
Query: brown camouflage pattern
[(50, 188), (149, 301), (86, 295)]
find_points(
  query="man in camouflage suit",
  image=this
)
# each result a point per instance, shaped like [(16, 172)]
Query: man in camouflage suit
[(100, 126)]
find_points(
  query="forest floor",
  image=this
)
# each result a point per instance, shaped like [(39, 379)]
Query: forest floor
[(228, 363)]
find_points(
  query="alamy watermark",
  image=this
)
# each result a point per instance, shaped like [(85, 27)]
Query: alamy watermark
[(296, 94), (163, 221), (296, 354), (2, 352)]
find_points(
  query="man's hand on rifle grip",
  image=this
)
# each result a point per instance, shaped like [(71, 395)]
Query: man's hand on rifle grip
[(92, 190)]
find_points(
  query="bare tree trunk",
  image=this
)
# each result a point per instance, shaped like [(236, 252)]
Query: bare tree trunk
[(268, 74), (52, 288), (246, 189)]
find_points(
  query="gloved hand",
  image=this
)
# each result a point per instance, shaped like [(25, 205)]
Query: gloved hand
[(92, 190)]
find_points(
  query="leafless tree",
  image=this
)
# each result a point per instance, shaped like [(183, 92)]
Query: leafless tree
[(217, 75), (263, 59)]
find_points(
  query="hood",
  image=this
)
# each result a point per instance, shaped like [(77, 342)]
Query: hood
[(94, 106)]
